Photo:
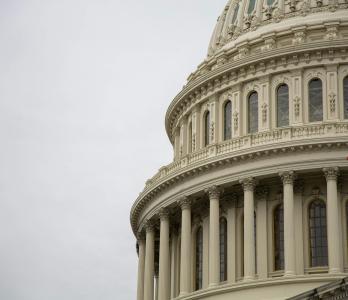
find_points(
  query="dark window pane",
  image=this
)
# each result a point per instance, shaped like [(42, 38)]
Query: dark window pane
[(315, 98), (251, 6), (199, 258), (228, 121), (253, 105), (223, 249), (190, 137), (345, 96), (278, 224), (318, 234), (283, 105), (207, 128)]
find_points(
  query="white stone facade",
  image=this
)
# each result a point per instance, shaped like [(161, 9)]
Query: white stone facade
[(270, 162)]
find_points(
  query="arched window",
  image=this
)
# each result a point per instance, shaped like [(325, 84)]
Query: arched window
[(253, 109), (283, 105), (318, 234), (228, 120), (206, 128), (190, 137), (223, 249), (278, 229), (315, 99), (199, 258), (345, 96)]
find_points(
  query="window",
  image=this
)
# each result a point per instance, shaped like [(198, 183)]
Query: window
[(345, 96), (278, 229), (190, 137), (206, 128), (251, 6), (223, 249), (199, 258), (315, 98), (318, 234), (228, 120), (253, 109), (283, 105)]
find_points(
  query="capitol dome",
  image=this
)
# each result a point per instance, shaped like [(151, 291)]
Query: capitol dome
[(255, 202)]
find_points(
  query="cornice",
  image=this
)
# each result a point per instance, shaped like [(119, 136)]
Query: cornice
[(181, 170)]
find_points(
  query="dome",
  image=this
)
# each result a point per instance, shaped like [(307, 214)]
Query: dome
[(241, 17), (254, 205)]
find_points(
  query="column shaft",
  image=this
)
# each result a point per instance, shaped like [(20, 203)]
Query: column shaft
[(185, 264), (333, 229), (141, 270), (214, 236), (164, 263), (149, 264), (249, 229), (289, 223)]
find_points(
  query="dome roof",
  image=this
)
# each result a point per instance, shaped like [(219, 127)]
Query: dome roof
[(240, 17)]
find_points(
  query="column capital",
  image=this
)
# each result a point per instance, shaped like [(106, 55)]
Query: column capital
[(248, 183), (288, 177), (163, 213), (214, 192), (149, 226), (140, 237), (262, 192), (331, 173), (184, 203)]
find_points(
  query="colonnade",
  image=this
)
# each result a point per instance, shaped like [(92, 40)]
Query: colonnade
[(147, 246)]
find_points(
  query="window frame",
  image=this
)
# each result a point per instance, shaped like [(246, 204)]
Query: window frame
[(253, 92), (277, 105), (323, 92)]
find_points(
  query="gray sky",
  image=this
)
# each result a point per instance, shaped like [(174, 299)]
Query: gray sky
[(84, 86)]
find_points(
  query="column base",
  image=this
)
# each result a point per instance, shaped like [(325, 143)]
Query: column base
[(335, 271), (182, 294), (212, 285), (289, 274), (249, 278)]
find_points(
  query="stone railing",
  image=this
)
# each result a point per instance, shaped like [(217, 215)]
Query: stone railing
[(248, 142)]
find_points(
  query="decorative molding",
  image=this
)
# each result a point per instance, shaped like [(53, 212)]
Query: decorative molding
[(184, 203), (163, 213), (149, 226), (214, 192), (331, 173), (248, 184), (288, 177)]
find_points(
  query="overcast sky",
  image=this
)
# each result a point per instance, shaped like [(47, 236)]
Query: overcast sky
[(84, 86)]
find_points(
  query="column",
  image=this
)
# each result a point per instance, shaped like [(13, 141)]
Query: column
[(149, 262), (261, 232), (231, 240), (214, 236), (333, 226), (174, 240), (156, 287), (141, 268), (289, 223), (164, 263), (185, 264), (249, 228)]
